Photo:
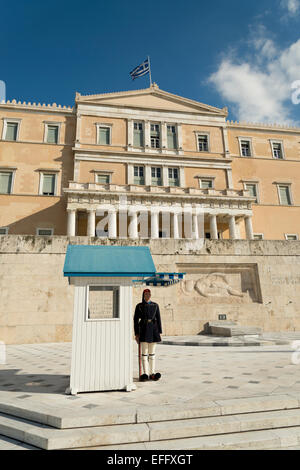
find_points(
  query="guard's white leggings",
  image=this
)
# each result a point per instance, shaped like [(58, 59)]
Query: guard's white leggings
[(148, 357)]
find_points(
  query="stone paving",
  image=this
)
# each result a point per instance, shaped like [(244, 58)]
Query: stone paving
[(190, 374)]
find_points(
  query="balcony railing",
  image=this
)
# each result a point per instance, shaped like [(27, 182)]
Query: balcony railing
[(142, 189)]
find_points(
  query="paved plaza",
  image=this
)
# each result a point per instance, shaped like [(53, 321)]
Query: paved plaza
[(39, 373)]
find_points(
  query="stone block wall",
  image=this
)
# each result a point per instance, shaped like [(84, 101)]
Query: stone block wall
[(255, 283)]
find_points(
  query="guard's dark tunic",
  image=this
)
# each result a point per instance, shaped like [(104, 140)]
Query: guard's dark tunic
[(148, 331)]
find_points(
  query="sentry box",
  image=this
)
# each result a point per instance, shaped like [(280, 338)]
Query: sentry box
[(103, 277)]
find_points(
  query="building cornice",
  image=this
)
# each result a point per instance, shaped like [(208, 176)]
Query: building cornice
[(157, 160), (262, 127), (14, 105)]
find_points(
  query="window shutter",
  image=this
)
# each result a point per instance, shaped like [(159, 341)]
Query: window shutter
[(103, 179), (104, 135), (48, 184), (5, 182), (284, 195), (11, 131), (52, 137), (205, 184), (171, 137)]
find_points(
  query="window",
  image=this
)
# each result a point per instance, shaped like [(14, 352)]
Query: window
[(245, 148), (171, 137), (103, 178), (258, 236), (138, 173), (44, 231), (252, 188), (6, 182), (173, 177), (138, 134), (291, 236), (284, 194), (277, 149), (3, 230), (203, 143), (48, 184), (11, 131), (52, 134), (104, 135), (206, 183), (155, 136), (156, 176), (103, 302)]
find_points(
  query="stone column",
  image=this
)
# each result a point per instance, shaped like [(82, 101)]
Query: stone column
[(181, 177), (148, 175), (71, 223), (179, 137), (232, 228), (175, 226), (165, 176), (213, 226), (248, 227), (112, 223), (195, 230), (229, 178), (154, 224), (147, 135), (130, 132), (133, 225), (91, 223), (163, 135)]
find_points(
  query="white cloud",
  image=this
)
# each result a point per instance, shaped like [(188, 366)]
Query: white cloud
[(292, 6), (259, 89)]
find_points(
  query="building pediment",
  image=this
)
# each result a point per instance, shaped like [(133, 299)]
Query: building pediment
[(151, 98)]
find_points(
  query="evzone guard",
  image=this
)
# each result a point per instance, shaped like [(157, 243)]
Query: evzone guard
[(147, 329)]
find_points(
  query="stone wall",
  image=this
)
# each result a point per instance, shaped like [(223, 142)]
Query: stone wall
[(255, 283)]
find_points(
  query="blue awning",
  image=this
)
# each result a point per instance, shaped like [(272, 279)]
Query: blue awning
[(108, 261)]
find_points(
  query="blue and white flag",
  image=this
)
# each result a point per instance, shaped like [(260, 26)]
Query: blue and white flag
[(140, 70)]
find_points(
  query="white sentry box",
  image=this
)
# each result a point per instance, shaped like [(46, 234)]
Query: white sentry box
[(102, 335)]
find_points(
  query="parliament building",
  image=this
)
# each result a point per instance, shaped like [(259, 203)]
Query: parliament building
[(63, 169)]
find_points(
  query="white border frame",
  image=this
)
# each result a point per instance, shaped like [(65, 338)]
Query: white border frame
[(248, 139), (256, 183), (6, 230), (207, 134), (4, 129), (291, 234), (52, 123), (106, 125), (87, 303), (42, 173), (261, 234), (102, 172), (9, 170), (277, 141), (290, 194), (206, 178)]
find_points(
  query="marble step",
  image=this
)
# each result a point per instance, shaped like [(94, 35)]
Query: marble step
[(275, 439), (48, 438), (65, 418)]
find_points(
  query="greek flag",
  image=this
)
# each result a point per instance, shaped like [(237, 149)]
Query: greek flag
[(140, 70)]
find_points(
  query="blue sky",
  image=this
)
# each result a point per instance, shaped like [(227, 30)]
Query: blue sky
[(244, 55)]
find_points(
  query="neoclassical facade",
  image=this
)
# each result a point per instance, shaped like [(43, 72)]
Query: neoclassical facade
[(146, 163)]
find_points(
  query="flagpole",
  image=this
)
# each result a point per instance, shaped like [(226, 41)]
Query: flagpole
[(150, 71)]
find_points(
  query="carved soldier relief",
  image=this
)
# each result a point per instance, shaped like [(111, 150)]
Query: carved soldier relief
[(235, 284)]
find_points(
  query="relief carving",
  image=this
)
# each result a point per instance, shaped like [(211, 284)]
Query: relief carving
[(211, 285)]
